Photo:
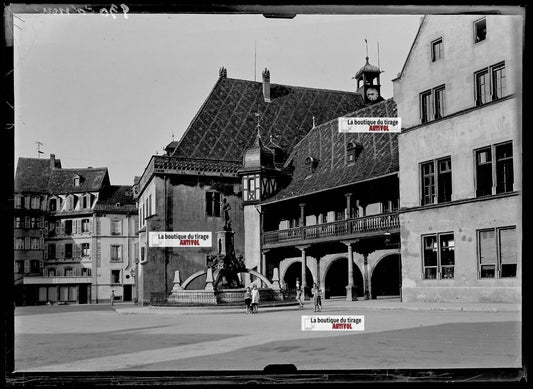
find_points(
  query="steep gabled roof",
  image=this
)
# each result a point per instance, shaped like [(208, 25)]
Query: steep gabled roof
[(324, 143), (422, 23), (32, 175), (91, 180), (226, 123), (116, 199)]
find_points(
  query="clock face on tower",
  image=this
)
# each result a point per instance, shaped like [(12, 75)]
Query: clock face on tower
[(372, 94)]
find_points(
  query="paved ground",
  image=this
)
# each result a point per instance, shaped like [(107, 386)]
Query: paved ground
[(397, 335)]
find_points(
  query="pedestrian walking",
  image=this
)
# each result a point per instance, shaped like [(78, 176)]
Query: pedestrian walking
[(248, 300), (299, 293), (255, 299), (112, 297), (317, 297)]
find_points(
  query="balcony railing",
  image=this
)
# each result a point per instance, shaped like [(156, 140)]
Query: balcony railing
[(341, 228)]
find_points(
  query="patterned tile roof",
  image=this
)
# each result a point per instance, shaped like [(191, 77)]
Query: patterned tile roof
[(226, 123), (379, 155), (194, 165)]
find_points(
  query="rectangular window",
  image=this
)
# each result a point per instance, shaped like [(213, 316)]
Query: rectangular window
[(498, 82), (51, 251), (18, 222), (116, 227), (444, 180), (482, 87), (504, 167), (68, 227), (35, 243), (490, 84), (484, 172), (85, 225), (27, 202), (115, 276), (480, 30), (438, 256), (85, 250), (51, 272), (19, 244), (69, 272), (436, 179), (439, 102), (35, 203), (68, 250), (85, 272), (116, 253), (425, 106), (495, 177), (34, 222), (18, 201), (497, 253), (436, 50), (212, 204)]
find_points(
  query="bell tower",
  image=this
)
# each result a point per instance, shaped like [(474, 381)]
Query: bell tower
[(368, 83)]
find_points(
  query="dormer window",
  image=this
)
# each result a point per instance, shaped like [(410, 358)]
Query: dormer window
[(311, 164), (352, 152), (77, 180)]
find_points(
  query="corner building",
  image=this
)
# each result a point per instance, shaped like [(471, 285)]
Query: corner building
[(459, 99)]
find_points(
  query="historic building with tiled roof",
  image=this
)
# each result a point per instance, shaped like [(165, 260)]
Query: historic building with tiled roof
[(337, 213), (184, 189), (57, 254)]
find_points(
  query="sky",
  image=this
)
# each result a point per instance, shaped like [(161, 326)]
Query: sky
[(111, 92)]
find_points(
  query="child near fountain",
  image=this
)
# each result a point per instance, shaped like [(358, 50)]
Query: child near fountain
[(248, 300)]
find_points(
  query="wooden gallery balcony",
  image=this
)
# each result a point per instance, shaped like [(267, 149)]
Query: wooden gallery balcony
[(339, 230)]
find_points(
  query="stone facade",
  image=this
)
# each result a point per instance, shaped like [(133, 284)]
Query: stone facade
[(470, 120)]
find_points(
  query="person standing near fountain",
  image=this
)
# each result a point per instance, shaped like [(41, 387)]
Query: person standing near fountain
[(225, 214), (299, 293), (255, 299), (248, 300)]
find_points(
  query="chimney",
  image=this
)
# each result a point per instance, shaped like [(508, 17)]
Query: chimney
[(266, 85), (52, 161), (222, 72)]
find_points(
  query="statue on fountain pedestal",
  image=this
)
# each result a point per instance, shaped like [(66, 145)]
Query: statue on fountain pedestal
[(225, 214)]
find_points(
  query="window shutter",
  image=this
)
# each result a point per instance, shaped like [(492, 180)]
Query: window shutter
[(508, 246), (487, 247), (41, 243), (27, 222), (120, 253), (27, 243), (91, 226), (41, 221), (61, 251), (45, 253), (26, 266), (76, 251), (78, 226), (46, 225)]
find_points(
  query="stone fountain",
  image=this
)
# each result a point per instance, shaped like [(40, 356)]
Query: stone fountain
[(223, 283)]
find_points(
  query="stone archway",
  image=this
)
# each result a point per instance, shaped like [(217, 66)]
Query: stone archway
[(336, 278), (293, 271), (386, 277)]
